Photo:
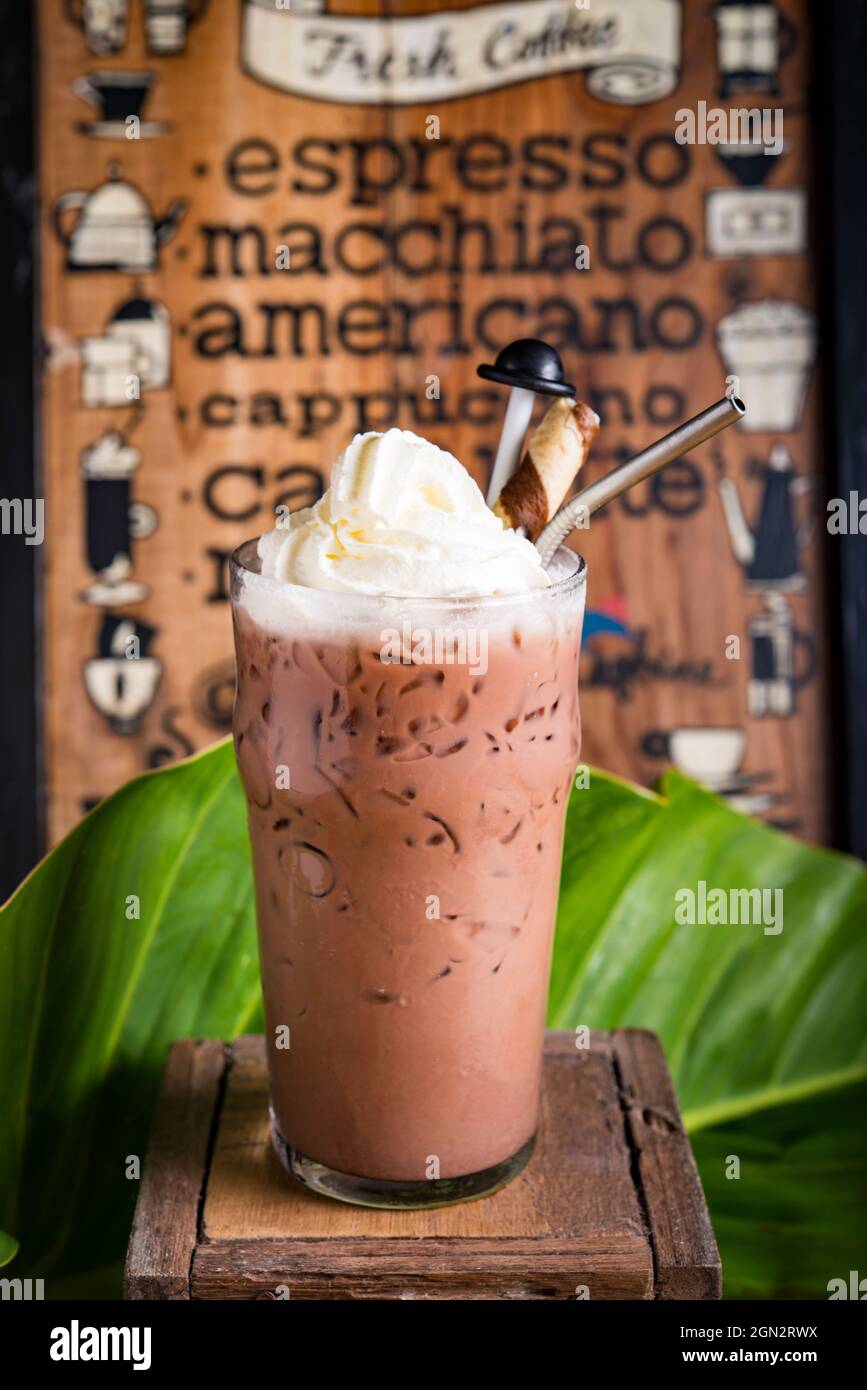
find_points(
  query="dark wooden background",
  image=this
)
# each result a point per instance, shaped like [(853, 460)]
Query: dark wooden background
[(839, 108), (843, 48), (20, 803)]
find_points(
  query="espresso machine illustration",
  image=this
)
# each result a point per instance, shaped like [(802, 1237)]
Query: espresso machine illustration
[(775, 647), (114, 227), (122, 679), (114, 521), (770, 551)]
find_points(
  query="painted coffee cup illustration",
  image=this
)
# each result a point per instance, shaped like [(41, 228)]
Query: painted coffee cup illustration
[(708, 755)]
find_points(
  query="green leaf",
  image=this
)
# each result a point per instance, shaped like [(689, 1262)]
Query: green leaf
[(91, 998), (8, 1248), (766, 1035), (794, 1219)]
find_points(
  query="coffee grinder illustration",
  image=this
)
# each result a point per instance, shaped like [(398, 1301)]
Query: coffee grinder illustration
[(122, 679), (770, 555), (114, 521), (753, 38)]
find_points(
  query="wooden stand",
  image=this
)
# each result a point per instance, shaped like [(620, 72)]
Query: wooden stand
[(610, 1206)]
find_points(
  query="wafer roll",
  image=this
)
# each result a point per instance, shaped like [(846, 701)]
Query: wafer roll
[(557, 449)]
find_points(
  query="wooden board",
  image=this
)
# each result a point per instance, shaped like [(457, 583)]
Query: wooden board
[(610, 1203), (165, 1226), (461, 242)]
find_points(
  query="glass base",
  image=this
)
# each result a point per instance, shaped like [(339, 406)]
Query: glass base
[(394, 1194)]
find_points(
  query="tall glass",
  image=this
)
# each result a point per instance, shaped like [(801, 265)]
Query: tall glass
[(407, 765)]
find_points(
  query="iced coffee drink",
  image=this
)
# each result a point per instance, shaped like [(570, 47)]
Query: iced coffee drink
[(407, 731)]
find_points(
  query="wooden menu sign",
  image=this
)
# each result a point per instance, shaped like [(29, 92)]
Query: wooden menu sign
[(267, 226)]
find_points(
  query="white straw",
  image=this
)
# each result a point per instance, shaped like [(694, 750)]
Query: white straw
[(518, 413)]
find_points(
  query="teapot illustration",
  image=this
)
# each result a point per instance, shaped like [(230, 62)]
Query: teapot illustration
[(115, 228), (770, 553)]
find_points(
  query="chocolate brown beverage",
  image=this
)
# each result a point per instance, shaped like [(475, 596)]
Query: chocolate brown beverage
[(407, 763)]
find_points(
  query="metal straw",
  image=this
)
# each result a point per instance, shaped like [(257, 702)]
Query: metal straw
[(672, 446)]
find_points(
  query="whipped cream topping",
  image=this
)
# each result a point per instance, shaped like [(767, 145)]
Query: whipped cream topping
[(110, 457), (401, 517)]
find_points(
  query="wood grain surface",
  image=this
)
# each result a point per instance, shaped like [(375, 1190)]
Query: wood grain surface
[(165, 1227), (447, 262), (610, 1205)]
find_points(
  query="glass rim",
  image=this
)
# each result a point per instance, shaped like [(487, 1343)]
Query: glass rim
[(572, 582)]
